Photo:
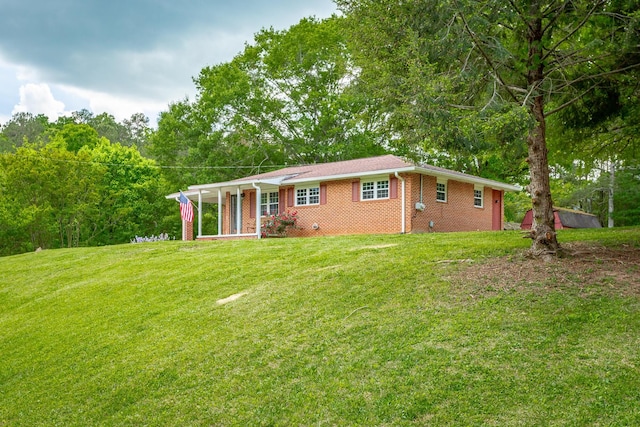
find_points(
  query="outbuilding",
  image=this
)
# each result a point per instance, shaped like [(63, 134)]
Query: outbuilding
[(565, 218)]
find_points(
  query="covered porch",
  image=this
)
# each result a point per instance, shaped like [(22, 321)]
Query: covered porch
[(240, 206)]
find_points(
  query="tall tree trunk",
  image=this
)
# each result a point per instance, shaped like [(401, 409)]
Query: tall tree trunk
[(612, 172), (543, 231)]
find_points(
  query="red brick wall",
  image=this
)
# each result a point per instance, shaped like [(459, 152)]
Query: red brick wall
[(456, 214), (188, 230), (341, 215)]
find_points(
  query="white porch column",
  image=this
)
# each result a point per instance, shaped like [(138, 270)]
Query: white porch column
[(404, 208), (238, 211), (219, 212), (199, 213), (258, 201)]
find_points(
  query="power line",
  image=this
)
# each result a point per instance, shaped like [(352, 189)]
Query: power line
[(154, 165)]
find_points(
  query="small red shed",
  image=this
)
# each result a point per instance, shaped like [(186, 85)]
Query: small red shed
[(565, 218)]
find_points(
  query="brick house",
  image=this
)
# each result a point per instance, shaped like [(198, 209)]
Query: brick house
[(384, 194)]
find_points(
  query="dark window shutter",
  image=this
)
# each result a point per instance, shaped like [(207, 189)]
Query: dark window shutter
[(290, 197), (355, 191), (393, 188), (281, 197), (252, 204), (323, 194)]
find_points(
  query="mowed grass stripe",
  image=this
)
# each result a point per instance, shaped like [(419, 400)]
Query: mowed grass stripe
[(359, 330)]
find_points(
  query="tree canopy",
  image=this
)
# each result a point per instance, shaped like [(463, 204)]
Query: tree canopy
[(457, 73), (291, 97), (64, 185)]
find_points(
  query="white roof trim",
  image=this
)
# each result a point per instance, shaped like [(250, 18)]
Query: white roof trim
[(469, 178), (350, 175), (188, 193), (292, 180)]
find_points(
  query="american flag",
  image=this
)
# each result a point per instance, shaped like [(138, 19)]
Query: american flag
[(186, 208)]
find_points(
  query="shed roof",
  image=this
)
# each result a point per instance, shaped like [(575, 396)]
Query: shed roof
[(577, 219)]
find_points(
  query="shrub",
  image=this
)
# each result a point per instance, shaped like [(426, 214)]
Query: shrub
[(278, 225), (159, 238)]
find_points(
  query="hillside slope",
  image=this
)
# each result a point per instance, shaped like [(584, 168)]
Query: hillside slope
[(362, 330)]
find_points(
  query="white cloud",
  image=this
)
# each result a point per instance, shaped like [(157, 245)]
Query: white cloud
[(119, 107), (66, 56), (4, 119), (26, 74), (38, 99)]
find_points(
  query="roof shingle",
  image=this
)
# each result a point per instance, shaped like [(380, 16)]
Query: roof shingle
[(322, 170)]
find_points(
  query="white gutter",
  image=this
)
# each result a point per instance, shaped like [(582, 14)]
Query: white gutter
[(462, 177), (404, 220), (292, 180), (277, 181), (350, 175), (258, 200)]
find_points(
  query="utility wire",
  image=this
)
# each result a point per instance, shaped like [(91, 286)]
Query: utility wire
[(39, 154)]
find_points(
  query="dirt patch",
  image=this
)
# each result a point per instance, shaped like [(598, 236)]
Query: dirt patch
[(231, 298), (586, 269)]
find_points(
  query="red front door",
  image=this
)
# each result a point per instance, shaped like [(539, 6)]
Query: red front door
[(496, 223)]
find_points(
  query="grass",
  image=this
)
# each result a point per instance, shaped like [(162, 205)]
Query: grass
[(361, 330)]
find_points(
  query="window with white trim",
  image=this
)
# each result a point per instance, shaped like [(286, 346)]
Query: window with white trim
[(307, 196), (441, 191), (478, 197), (372, 190), (269, 203)]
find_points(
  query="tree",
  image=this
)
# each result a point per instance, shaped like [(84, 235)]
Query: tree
[(291, 97), (132, 131), (47, 195), (130, 200), (107, 126), (464, 62), (75, 136), (138, 131), (22, 127)]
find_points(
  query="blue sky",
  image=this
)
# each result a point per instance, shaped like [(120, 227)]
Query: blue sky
[(124, 56)]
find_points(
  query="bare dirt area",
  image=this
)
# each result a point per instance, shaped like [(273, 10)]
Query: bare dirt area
[(585, 269)]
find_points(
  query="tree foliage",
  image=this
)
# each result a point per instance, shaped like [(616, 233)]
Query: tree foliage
[(48, 196), (71, 187), (22, 127), (290, 97), (446, 67)]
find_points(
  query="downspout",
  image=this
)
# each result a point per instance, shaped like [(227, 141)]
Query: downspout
[(258, 198), (219, 212), (199, 213), (404, 219)]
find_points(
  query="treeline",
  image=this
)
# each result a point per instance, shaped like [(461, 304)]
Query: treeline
[(66, 184), (413, 79)]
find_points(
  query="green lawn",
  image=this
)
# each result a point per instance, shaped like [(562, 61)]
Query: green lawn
[(361, 330)]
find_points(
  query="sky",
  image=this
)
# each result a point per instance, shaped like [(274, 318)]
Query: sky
[(125, 56)]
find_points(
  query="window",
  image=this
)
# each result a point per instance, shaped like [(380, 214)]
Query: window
[(477, 198), (372, 190), (441, 191), (307, 196), (269, 203)]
